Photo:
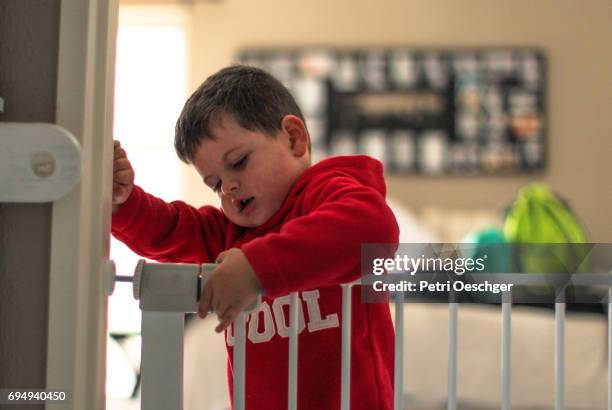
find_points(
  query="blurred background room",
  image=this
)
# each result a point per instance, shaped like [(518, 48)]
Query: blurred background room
[(479, 98)]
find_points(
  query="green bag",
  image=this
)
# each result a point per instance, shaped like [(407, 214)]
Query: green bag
[(539, 216)]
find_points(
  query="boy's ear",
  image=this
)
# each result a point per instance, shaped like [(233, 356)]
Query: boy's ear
[(295, 130)]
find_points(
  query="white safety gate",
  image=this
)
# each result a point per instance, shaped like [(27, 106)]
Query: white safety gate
[(167, 291)]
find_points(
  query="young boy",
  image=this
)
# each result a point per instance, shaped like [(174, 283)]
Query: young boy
[(284, 226)]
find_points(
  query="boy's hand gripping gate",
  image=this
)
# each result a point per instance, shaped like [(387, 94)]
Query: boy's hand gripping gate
[(166, 291)]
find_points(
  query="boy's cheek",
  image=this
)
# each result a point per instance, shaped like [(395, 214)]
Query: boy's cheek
[(225, 206)]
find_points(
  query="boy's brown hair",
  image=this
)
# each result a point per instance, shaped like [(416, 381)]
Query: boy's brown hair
[(256, 99)]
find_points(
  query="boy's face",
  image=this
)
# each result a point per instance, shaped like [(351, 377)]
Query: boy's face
[(250, 171)]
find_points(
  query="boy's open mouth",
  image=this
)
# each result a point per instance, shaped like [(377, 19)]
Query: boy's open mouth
[(243, 203)]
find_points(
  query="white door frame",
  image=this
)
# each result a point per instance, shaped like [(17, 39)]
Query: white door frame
[(76, 349)]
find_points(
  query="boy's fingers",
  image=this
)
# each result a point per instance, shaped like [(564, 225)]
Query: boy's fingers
[(220, 257), (221, 326), (120, 194), (117, 156), (123, 177), (218, 306), (205, 300), (222, 314), (119, 153), (227, 319), (116, 143), (118, 189), (119, 164)]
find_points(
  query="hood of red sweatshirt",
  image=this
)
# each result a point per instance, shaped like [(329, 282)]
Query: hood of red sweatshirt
[(364, 169)]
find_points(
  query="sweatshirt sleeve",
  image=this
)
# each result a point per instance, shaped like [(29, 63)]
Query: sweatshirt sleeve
[(323, 246), (169, 232)]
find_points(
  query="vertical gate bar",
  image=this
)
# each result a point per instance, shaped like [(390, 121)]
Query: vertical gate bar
[(559, 354), (506, 347), (398, 369), (610, 348), (239, 361), (452, 356), (161, 365), (345, 392), (293, 351)]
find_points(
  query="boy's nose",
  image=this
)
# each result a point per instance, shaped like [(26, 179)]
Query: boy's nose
[(229, 188)]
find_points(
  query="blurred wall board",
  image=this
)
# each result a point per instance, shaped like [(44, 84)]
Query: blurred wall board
[(433, 112)]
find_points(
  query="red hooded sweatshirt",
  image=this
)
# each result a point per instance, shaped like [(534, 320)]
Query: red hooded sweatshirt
[(310, 245)]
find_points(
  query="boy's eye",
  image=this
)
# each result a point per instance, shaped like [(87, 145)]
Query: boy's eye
[(240, 163)]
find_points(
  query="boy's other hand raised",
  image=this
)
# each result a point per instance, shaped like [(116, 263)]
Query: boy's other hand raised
[(231, 288), (123, 176)]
